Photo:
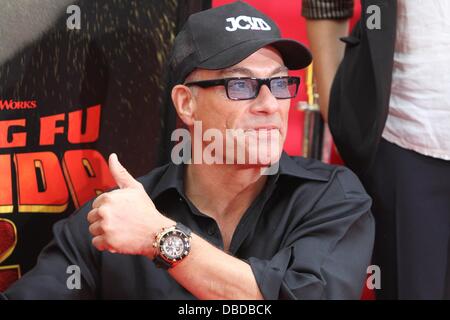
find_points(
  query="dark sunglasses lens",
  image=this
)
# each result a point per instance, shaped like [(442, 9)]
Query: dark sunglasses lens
[(284, 88), (240, 89)]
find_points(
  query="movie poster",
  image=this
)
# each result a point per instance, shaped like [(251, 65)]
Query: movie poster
[(78, 81)]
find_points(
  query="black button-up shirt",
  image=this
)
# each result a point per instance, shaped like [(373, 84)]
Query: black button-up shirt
[(308, 235)]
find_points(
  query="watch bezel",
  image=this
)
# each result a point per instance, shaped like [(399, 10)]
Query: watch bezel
[(173, 231)]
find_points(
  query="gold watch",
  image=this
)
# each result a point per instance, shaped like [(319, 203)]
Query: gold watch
[(172, 244)]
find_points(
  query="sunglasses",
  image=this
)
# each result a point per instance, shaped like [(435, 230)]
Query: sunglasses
[(248, 88)]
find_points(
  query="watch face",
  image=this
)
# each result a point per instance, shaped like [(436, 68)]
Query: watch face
[(173, 247)]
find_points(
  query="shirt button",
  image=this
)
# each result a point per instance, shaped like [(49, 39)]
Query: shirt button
[(180, 199)]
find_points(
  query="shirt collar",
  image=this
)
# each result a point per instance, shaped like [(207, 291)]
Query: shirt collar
[(173, 176), (300, 168)]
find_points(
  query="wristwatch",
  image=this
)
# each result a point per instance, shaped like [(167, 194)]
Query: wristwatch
[(172, 244)]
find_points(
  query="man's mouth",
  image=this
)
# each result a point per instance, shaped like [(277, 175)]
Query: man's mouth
[(263, 128)]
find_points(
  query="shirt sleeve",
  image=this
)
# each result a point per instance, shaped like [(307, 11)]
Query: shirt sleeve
[(65, 268), (327, 9), (327, 254)]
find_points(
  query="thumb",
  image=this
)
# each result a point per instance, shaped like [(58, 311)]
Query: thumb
[(120, 174)]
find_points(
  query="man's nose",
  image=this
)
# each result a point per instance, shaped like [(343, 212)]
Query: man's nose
[(265, 102)]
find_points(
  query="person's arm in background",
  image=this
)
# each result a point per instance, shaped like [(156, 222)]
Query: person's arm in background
[(327, 21)]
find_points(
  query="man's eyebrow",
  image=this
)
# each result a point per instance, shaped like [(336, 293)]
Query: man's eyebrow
[(240, 70), (279, 70), (249, 73)]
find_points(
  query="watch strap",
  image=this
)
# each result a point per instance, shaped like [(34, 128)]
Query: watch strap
[(161, 263), (183, 229)]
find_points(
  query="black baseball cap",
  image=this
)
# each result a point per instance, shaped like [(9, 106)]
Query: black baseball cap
[(221, 37)]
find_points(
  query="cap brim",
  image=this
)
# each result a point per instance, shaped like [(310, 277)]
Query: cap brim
[(295, 55)]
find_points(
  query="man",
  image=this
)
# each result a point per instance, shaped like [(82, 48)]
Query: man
[(389, 113), (220, 231)]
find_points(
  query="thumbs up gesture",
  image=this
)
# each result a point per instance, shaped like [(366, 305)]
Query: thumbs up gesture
[(125, 220)]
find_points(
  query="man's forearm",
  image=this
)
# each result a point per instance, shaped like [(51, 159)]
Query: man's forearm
[(327, 51), (210, 273)]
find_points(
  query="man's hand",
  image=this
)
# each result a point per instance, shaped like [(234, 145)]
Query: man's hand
[(125, 220)]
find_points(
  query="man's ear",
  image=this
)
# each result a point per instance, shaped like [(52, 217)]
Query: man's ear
[(184, 102)]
